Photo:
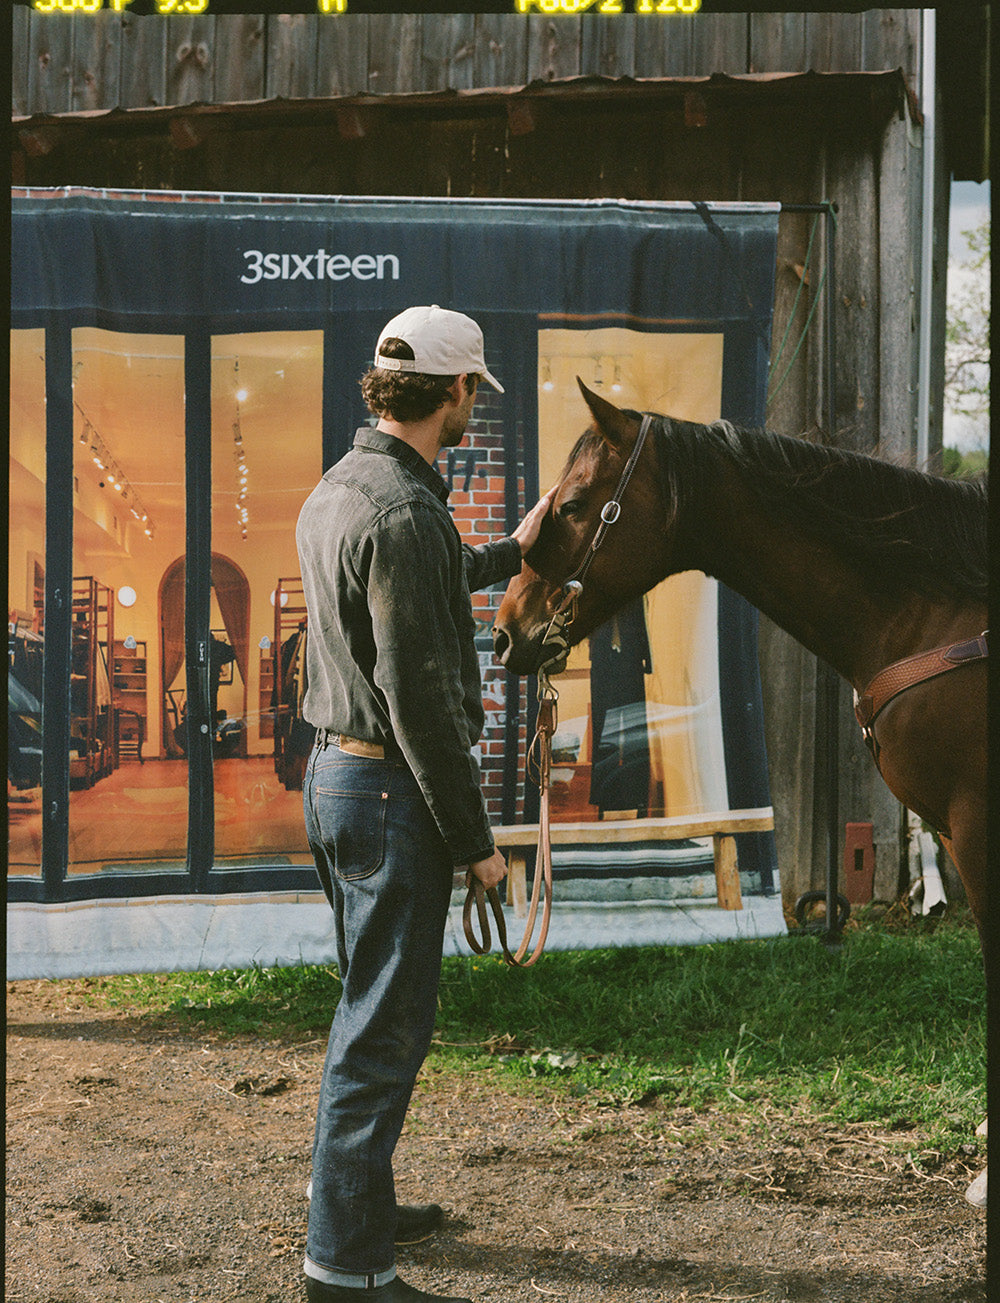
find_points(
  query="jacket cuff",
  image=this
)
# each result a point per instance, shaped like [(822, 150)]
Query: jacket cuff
[(482, 853)]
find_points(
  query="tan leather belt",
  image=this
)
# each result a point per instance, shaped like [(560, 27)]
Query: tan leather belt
[(355, 747)]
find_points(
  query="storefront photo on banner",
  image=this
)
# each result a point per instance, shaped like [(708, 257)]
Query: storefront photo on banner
[(165, 430)]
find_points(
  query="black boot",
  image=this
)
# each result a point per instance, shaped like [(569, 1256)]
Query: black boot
[(417, 1221), (396, 1291)]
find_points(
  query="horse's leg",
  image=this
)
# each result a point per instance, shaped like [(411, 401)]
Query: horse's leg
[(967, 849)]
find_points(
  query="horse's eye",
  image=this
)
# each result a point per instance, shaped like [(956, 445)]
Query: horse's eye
[(570, 508)]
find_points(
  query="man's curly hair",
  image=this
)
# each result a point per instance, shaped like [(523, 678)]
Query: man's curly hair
[(406, 396)]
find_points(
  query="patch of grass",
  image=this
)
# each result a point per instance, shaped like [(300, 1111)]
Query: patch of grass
[(278, 1002), (888, 1030)]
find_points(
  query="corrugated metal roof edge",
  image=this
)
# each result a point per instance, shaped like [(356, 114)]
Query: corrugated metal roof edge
[(893, 81)]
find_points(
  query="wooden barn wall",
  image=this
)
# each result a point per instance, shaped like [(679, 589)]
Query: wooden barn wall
[(133, 61), (862, 154)]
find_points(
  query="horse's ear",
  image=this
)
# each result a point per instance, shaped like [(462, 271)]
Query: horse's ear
[(616, 427)]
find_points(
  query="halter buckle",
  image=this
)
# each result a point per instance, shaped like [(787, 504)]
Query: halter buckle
[(611, 510), (572, 589)]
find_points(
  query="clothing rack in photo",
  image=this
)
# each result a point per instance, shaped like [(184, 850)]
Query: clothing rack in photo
[(92, 734), (293, 736)]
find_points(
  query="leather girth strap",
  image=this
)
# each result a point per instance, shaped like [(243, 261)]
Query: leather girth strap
[(907, 673)]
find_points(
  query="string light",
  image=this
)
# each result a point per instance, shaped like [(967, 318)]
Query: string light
[(239, 455)]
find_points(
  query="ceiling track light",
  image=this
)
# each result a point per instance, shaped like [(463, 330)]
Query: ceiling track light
[(103, 458)]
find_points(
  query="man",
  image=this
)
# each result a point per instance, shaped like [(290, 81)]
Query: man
[(392, 796)]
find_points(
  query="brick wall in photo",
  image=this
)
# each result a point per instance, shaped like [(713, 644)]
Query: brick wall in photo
[(476, 473)]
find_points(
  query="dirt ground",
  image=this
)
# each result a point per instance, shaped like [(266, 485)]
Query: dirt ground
[(147, 1163)]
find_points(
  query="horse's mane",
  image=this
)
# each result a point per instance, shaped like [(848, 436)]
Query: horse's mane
[(901, 528)]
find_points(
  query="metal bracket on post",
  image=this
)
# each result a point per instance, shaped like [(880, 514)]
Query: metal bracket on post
[(859, 863)]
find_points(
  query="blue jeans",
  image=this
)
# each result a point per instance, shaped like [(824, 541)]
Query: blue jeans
[(387, 874)]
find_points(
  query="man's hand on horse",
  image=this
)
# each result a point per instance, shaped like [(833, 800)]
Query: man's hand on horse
[(527, 531), (489, 872)]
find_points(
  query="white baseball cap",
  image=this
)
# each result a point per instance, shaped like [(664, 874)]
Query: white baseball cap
[(444, 343)]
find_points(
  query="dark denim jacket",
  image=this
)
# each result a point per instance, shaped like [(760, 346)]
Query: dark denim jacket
[(390, 650)]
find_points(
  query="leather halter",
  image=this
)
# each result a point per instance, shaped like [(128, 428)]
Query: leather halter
[(612, 509), (565, 613), (555, 639), (907, 673)]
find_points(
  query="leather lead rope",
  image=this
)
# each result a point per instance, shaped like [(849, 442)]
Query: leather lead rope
[(539, 758)]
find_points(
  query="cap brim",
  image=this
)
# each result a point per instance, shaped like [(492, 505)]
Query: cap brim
[(493, 381)]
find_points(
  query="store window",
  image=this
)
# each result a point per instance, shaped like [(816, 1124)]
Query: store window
[(26, 601), (128, 769), (267, 397), (640, 722)]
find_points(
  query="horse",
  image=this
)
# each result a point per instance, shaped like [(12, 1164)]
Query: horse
[(879, 570)]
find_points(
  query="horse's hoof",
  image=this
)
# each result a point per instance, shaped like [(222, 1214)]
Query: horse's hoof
[(976, 1193)]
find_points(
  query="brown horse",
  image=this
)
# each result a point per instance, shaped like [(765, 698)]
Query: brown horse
[(863, 562), (880, 571)]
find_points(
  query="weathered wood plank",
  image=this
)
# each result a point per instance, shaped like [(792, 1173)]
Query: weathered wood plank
[(851, 176), (719, 44), (501, 57), (447, 54), (342, 56), (891, 39), (97, 48), (394, 42), (777, 42), (20, 64), (897, 211), (144, 61), (190, 58), (292, 41), (788, 685), (50, 63), (554, 47), (607, 46), (664, 45), (239, 61), (833, 42)]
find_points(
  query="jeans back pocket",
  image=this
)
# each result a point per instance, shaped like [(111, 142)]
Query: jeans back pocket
[(352, 826)]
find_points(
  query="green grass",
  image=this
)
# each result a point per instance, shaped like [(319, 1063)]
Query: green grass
[(888, 1030)]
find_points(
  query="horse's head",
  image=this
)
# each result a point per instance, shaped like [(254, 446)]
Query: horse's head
[(628, 561)]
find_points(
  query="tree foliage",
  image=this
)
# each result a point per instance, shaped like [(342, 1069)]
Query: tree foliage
[(967, 343)]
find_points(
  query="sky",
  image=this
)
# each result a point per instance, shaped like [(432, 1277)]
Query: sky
[(970, 203)]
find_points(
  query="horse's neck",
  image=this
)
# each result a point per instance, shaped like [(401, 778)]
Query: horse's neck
[(807, 587)]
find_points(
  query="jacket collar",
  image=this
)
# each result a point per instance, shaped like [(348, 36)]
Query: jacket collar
[(369, 439)]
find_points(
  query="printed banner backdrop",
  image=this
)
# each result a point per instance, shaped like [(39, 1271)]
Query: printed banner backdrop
[(182, 372)]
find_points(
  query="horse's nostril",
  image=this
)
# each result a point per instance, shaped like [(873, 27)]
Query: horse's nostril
[(501, 643)]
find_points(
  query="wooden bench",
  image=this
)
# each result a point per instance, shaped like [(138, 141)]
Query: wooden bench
[(519, 839)]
